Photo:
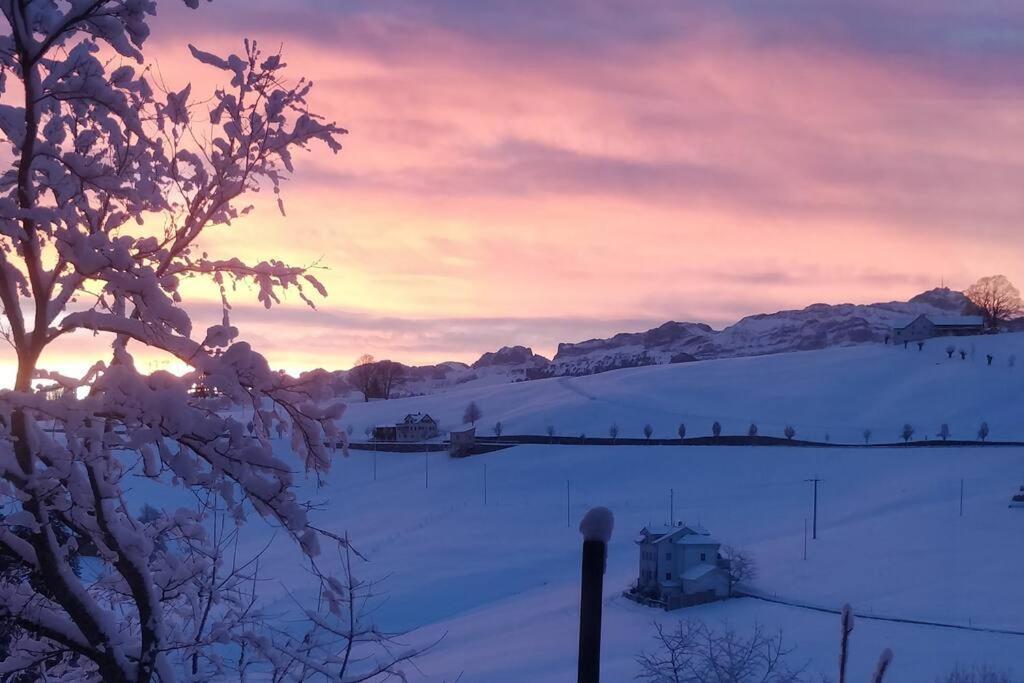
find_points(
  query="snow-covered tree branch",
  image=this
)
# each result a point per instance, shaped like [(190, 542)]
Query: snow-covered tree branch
[(109, 186)]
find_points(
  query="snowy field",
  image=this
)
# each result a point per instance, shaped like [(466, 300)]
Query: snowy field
[(499, 579), (837, 392)]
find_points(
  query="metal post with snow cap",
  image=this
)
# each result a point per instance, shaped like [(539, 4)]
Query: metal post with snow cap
[(596, 527)]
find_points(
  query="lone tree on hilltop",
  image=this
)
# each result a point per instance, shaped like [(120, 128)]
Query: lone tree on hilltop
[(681, 431), (789, 432), (907, 433), (983, 431), (497, 428), (648, 431), (363, 376), (944, 431), (109, 189), (613, 432), (472, 414), (996, 298), (752, 430), (867, 436), (716, 430)]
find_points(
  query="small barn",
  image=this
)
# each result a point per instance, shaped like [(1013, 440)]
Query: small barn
[(681, 565), (385, 433), (461, 443), (928, 326)]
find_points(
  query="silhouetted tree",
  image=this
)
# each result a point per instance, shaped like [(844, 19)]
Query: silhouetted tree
[(983, 431), (497, 428), (363, 376), (681, 431), (867, 436), (907, 433), (388, 374), (996, 298), (613, 432), (716, 430), (752, 430), (472, 414), (944, 431), (551, 433), (789, 432), (963, 354), (648, 431)]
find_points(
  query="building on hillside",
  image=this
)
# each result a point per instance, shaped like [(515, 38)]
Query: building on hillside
[(461, 442), (385, 433), (927, 326), (416, 427), (680, 566)]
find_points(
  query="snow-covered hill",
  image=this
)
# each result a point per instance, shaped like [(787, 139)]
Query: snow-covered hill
[(484, 550), (818, 326), (836, 392)]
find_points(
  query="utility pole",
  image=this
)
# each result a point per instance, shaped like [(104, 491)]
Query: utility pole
[(671, 507), (814, 524)]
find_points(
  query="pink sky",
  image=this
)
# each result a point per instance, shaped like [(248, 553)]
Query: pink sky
[(529, 173)]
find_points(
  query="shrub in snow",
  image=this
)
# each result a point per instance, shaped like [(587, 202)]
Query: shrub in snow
[(988, 357), (907, 433), (550, 429), (789, 432), (1012, 360), (944, 431), (681, 431), (693, 651), (963, 354), (648, 431), (983, 431), (742, 567), (977, 674), (867, 436), (613, 431), (716, 430), (472, 413), (497, 429), (950, 350), (110, 187), (752, 430)]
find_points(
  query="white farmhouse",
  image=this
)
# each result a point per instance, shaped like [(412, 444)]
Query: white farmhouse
[(680, 566), (927, 326), (416, 427)]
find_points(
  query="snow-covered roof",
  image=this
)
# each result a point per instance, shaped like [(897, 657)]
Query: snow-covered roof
[(942, 321), (696, 539), (417, 417), (956, 320), (697, 571)]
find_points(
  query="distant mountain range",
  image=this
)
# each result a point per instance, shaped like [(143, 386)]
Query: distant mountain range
[(816, 327)]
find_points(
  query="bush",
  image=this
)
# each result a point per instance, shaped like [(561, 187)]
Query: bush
[(648, 431), (977, 674), (983, 431), (907, 433), (789, 432), (716, 430), (752, 430)]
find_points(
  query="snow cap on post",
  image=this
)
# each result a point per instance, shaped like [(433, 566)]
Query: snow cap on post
[(597, 524)]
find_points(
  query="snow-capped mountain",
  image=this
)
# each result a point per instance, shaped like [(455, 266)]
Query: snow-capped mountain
[(817, 326)]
